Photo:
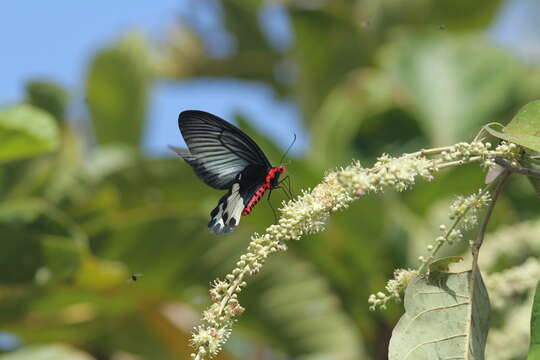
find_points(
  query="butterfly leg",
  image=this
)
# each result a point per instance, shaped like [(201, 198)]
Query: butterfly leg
[(287, 189), (271, 206), (290, 186)]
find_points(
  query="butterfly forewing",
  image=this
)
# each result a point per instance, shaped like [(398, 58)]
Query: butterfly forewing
[(217, 150)]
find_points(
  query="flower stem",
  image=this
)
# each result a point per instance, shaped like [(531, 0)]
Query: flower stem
[(231, 291), (475, 273), (423, 267), (432, 151)]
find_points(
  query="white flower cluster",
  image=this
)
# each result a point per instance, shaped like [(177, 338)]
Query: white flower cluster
[(461, 153), (394, 288), (506, 285), (209, 340), (308, 214), (399, 173), (463, 211), (467, 208), (465, 150)]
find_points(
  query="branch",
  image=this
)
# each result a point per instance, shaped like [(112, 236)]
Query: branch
[(483, 226), (516, 169), (482, 231)]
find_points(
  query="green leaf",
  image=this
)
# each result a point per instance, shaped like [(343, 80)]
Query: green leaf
[(443, 264), (62, 257), (431, 14), (344, 111), (535, 184), (26, 131), (20, 210), (440, 321), (117, 91), (48, 96), (47, 352), (98, 274), (480, 13), (21, 256), (107, 160), (452, 84), (534, 350), (524, 129), (324, 54)]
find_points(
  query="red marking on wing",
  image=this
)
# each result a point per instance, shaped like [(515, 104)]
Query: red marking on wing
[(267, 185)]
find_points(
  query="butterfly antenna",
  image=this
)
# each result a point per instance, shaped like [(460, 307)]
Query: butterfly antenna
[(287, 151)]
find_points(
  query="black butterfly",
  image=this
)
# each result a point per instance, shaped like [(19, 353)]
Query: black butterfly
[(224, 157)]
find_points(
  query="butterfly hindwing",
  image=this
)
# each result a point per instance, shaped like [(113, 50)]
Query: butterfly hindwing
[(226, 215), (217, 150)]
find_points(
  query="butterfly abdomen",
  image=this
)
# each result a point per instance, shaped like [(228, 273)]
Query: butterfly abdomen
[(255, 198), (268, 184)]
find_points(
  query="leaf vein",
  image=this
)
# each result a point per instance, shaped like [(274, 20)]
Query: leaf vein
[(434, 309), (432, 342)]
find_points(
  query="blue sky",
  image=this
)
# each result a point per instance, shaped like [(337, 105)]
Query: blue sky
[(55, 40)]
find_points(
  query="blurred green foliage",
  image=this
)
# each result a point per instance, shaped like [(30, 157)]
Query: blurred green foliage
[(534, 350), (26, 131), (369, 77), (117, 91), (49, 97)]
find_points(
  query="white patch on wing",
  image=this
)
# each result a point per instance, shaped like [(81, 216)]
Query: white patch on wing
[(216, 222), (226, 215)]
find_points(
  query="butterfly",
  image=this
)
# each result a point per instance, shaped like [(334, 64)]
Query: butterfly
[(225, 158)]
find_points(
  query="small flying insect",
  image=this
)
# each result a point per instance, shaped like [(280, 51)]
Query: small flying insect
[(134, 277)]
